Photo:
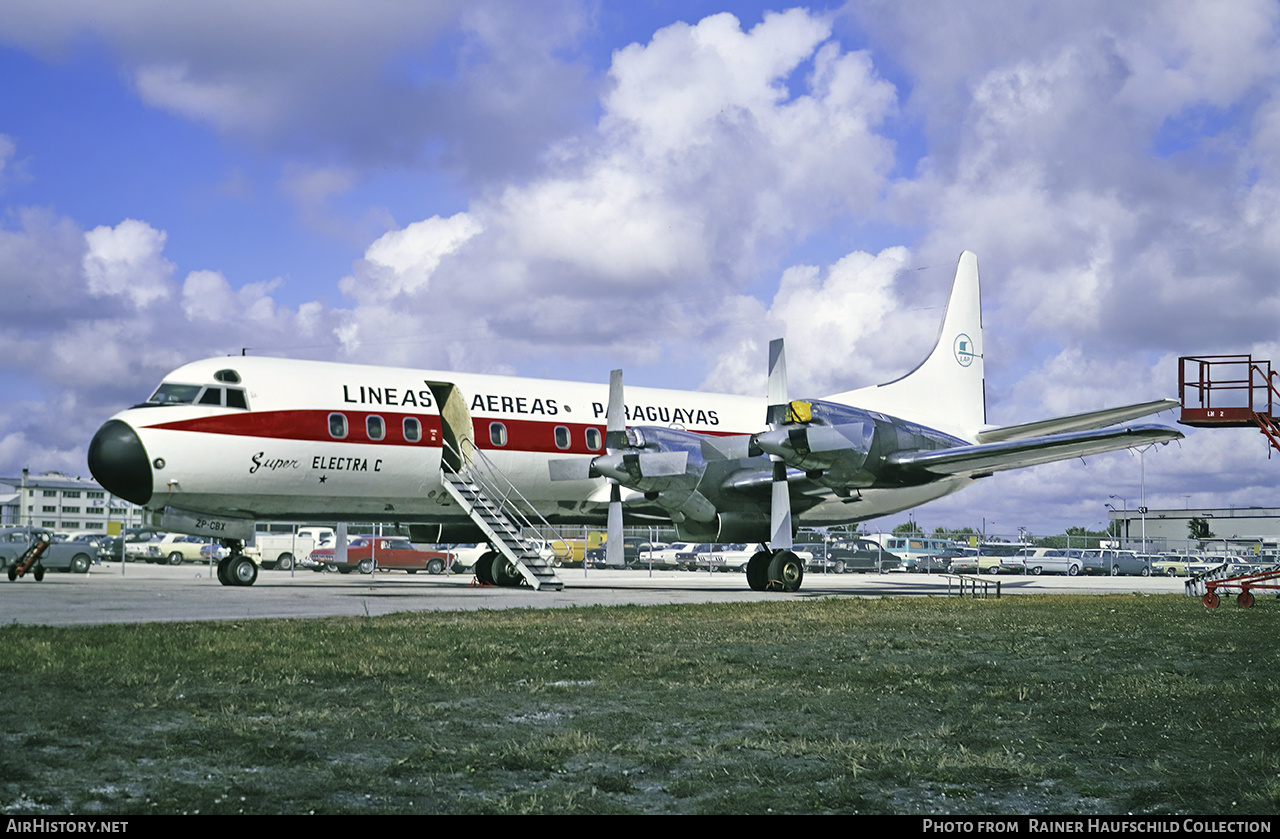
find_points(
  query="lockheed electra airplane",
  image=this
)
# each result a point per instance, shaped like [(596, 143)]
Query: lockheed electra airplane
[(227, 441)]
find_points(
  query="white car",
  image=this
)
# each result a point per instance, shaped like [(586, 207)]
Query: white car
[(175, 549), (1049, 561)]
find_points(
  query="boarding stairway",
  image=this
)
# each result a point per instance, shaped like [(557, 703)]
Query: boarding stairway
[(495, 505), (1246, 393)]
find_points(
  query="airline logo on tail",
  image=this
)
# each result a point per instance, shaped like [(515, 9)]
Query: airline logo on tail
[(964, 350)]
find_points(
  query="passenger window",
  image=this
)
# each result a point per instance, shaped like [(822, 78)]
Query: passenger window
[(412, 430), (497, 434), (235, 398), (593, 439), (562, 437), (338, 425), (374, 427)]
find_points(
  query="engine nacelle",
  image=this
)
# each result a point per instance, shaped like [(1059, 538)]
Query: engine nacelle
[(727, 527)]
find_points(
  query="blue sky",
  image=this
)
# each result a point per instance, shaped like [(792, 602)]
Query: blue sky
[(560, 188)]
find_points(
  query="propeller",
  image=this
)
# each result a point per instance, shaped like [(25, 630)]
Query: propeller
[(615, 439), (776, 416)]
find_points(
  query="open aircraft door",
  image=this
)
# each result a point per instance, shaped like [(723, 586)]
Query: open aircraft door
[(455, 425)]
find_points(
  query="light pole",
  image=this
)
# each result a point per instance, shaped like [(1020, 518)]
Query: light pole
[(1125, 518)]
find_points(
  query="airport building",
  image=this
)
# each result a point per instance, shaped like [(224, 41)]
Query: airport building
[(61, 503), (1170, 529)]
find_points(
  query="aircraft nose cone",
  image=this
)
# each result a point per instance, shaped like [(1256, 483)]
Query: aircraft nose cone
[(119, 462)]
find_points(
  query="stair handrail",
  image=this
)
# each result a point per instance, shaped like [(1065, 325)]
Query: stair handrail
[(498, 488), (1268, 376)]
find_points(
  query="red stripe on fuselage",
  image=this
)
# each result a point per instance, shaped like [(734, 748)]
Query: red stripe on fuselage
[(313, 426)]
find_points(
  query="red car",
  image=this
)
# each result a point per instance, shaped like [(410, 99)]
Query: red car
[(390, 554)]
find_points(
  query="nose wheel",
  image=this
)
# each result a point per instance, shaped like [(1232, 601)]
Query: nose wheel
[(237, 569)]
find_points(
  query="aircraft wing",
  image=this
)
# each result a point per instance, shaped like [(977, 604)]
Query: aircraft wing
[(985, 458), (1076, 422)]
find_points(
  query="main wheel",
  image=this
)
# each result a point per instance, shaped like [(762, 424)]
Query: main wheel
[(1245, 600), (435, 566), (786, 572), (284, 562), (223, 565), (242, 571), (366, 566), (484, 567), (505, 572), (80, 564), (758, 570)]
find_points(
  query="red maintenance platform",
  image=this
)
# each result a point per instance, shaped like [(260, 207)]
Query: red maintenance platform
[(1231, 391)]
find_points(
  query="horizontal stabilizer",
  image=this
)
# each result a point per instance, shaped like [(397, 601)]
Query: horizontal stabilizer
[(1076, 422), (974, 461)]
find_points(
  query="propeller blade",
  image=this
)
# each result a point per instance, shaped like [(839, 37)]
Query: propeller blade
[(615, 439), (780, 501), (615, 418), (777, 384), (613, 544)]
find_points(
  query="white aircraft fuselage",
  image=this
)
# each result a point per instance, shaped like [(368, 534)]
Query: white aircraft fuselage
[(279, 458), (226, 441)]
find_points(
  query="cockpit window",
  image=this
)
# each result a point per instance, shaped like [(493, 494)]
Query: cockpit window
[(171, 394), (229, 376), (174, 394)]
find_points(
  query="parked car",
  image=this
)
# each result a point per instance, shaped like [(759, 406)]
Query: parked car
[(666, 557), (1183, 565), (110, 549), (279, 550), (137, 543), (635, 553), (863, 556), (71, 555), (964, 563), (1115, 563), (464, 556), (598, 557), (388, 553), (990, 554), (1046, 561), (174, 549)]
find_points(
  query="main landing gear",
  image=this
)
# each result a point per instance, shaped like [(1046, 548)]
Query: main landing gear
[(494, 569), (236, 569), (779, 570)]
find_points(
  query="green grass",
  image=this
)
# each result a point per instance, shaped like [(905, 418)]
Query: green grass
[(1023, 705)]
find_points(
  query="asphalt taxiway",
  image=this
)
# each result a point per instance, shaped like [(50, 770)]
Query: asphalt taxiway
[(148, 593)]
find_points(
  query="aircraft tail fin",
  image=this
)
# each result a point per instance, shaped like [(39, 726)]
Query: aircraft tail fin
[(947, 391)]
